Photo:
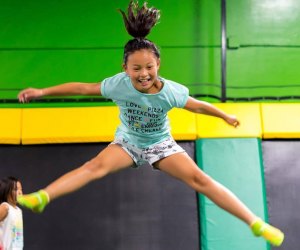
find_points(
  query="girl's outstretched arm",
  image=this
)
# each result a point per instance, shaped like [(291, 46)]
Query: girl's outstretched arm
[(206, 108), (66, 89)]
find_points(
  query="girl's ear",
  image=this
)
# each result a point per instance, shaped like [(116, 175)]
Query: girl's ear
[(158, 63), (124, 67)]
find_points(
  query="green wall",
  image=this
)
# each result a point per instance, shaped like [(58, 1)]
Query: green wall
[(264, 46), (44, 43)]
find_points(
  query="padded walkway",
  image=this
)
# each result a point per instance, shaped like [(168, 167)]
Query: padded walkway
[(237, 164)]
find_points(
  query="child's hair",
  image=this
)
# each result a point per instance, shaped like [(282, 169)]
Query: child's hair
[(7, 185), (139, 22)]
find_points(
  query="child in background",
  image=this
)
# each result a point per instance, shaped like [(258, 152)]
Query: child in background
[(144, 98), (11, 219)]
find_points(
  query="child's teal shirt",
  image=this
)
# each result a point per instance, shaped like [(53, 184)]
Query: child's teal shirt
[(144, 120)]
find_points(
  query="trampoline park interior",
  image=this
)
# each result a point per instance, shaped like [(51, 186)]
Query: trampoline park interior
[(242, 56)]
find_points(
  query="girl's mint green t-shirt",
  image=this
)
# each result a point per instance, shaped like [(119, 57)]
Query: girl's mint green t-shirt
[(144, 120)]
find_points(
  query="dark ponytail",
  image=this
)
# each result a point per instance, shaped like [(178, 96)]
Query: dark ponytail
[(139, 22)]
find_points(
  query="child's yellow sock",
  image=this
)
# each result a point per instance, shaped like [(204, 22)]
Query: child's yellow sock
[(270, 233), (35, 201)]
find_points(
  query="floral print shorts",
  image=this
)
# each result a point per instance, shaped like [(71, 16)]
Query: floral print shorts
[(150, 154)]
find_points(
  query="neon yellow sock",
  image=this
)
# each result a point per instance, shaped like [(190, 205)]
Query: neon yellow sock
[(35, 201), (270, 233)]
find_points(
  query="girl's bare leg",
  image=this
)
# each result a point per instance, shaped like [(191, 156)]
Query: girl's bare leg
[(113, 158), (182, 167)]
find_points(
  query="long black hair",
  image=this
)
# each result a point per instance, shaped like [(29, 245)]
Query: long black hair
[(138, 22), (7, 186)]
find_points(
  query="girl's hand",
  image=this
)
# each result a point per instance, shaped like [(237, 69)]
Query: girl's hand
[(28, 94), (232, 120)]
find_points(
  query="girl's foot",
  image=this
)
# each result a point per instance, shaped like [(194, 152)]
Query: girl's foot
[(270, 233), (35, 201)]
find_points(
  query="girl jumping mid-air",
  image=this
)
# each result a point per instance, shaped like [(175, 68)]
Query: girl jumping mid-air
[(11, 219), (144, 98)]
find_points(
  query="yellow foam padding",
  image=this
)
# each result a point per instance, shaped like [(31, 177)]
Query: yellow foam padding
[(247, 113), (10, 126), (281, 120), (69, 125), (183, 124)]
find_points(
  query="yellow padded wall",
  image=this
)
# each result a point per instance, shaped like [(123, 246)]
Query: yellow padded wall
[(69, 125), (281, 120), (10, 126), (183, 124), (248, 115)]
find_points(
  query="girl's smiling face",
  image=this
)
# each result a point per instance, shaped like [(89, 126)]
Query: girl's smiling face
[(17, 190), (142, 67)]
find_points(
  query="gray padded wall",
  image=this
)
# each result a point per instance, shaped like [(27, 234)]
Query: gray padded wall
[(135, 209), (282, 176)]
